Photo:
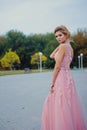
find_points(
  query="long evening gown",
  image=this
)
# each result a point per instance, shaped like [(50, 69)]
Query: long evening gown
[(62, 109)]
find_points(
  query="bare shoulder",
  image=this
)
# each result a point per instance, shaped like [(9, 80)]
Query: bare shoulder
[(62, 47)]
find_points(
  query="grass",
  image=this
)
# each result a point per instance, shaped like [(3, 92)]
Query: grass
[(13, 72)]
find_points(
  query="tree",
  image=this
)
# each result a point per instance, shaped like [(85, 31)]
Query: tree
[(35, 60), (15, 39), (80, 45), (9, 60), (26, 46), (3, 45), (80, 37)]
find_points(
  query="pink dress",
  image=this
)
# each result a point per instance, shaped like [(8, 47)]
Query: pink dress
[(62, 109)]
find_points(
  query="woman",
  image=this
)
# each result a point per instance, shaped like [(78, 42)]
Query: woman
[(62, 110)]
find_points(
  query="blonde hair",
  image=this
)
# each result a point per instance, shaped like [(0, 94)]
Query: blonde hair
[(62, 29)]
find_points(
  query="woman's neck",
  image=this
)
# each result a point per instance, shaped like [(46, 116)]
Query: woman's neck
[(67, 41)]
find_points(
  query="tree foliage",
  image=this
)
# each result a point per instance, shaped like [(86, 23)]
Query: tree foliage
[(35, 59), (80, 45), (27, 45), (9, 60)]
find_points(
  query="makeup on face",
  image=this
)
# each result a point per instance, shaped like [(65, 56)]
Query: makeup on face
[(60, 37)]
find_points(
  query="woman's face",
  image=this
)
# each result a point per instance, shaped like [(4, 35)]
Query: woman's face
[(60, 37)]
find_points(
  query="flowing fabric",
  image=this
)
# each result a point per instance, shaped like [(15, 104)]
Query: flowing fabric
[(62, 109)]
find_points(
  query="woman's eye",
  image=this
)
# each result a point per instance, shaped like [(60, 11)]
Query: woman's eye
[(60, 35)]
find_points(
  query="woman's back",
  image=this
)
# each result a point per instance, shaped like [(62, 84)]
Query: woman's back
[(66, 61)]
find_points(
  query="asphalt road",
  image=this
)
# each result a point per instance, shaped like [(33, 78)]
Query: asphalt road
[(22, 97)]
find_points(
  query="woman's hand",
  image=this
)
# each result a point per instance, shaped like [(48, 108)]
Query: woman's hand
[(52, 88)]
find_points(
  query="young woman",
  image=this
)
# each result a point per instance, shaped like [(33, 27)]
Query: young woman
[(62, 109)]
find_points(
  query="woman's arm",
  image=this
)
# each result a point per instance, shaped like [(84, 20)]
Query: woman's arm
[(61, 53), (53, 53)]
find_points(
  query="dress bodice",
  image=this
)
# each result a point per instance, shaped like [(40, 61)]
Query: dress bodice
[(67, 57)]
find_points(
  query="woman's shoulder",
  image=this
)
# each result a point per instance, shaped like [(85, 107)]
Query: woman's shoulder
[(62, 47)]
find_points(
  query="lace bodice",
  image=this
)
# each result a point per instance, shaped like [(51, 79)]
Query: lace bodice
[(67, 57)]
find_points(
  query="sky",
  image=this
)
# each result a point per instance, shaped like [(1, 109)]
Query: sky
[(42, 16)]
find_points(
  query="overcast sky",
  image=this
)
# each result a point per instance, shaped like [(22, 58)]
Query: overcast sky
[(42, 16)]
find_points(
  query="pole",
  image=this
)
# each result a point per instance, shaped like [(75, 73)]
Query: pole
[(79, 62), (40, 53)]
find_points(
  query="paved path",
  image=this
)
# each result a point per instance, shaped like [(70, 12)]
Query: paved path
[(22, 98)]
